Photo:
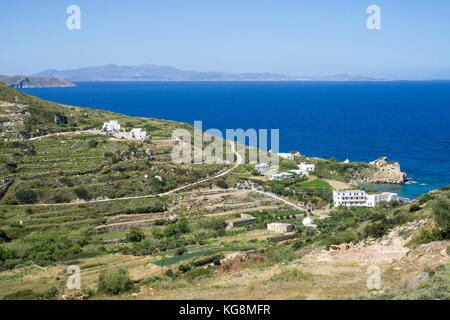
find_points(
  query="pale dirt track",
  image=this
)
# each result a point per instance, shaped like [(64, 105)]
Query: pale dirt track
[(238, 162)]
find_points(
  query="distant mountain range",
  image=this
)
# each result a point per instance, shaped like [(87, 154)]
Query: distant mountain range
[(151, 72), (18, 82)]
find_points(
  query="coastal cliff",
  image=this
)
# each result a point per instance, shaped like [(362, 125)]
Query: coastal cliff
[(19, 82), (381, 171)]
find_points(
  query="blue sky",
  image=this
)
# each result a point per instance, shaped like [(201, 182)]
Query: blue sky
[(294, 37)]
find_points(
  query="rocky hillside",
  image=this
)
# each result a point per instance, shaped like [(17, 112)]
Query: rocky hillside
[(121, 207), (381, 171), (23, 116), (356, 173), (19, 82)]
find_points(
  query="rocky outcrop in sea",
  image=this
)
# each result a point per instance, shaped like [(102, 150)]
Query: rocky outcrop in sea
[(382, 171)]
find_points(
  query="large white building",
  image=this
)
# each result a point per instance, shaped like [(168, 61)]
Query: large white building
[(307, 166), (111, 126), (139, 134), (361, 198)]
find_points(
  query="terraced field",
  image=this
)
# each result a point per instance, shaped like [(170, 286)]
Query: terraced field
[(73, 195)]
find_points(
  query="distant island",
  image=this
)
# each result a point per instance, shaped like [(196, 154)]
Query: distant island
[(20, 81), (152, 72)]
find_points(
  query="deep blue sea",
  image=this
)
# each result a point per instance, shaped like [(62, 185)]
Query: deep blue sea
[(408, 122)]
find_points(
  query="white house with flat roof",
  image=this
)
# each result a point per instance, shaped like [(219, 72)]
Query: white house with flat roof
[(288, 156), (138, 134), (361, 198), (299, 172), (307, 166), (111, 126), (282, 176), (373, 199)]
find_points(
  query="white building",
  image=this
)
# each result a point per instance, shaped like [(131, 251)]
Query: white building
[(282, 176), (280, 227), (307, 166), (307, 222), (288, 156), (139, 134), (373, 199), (262, 167), (361, 198), (346, 161), (111, 126), (299, 172)]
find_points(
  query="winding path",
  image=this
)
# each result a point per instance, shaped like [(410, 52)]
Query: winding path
[(238, 162), (270, 194)]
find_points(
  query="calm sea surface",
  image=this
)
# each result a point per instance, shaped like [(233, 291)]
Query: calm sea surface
[(408, 122)]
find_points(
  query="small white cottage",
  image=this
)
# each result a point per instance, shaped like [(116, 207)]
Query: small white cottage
[(111, 126), (139, 134), (307, 166)]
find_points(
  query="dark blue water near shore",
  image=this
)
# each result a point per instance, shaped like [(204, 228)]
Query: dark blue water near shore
[(406, 121)]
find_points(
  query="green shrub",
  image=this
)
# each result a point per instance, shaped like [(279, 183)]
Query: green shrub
[(93, 143), (135, 234), (298, 244), (376, 230), (414, 207), (441, 213), (4, 237), (340, 237), (180, 251), (60, 198), (66, 181), (184, 268), (51, 293), (11, 167), (425, 198), (157, 233), (205, 260), (26, 196), (82, 193), (169, 273), (152, 280), (222, 184), (426, 236), (46, 249), (115, 283), (199, 273)]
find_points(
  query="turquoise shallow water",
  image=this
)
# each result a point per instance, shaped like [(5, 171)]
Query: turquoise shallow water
[(406, 121)]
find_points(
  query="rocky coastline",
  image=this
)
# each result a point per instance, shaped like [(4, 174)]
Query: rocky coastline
[(381, 171)]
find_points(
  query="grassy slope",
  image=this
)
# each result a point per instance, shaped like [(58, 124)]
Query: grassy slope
[(55, 167), (39, 119)]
